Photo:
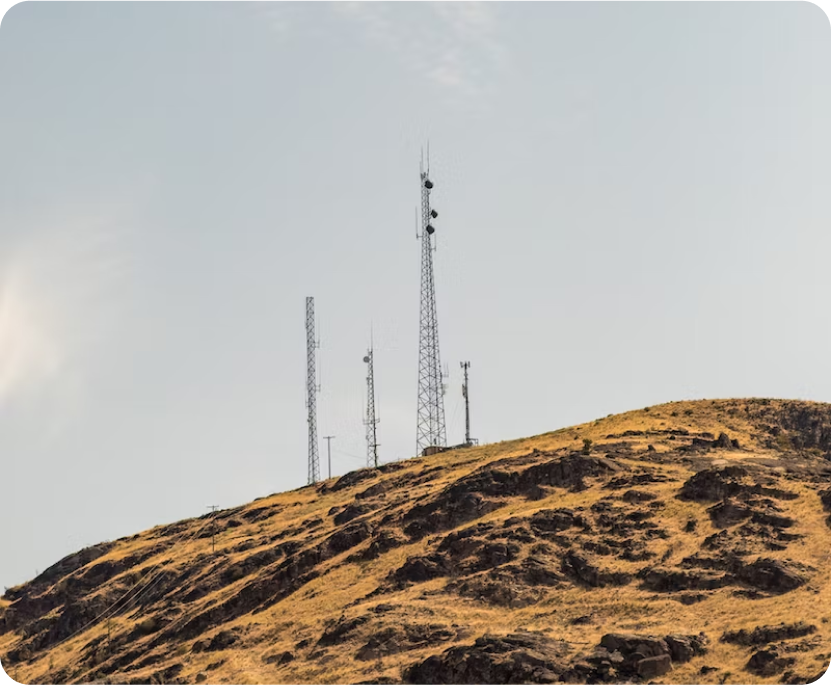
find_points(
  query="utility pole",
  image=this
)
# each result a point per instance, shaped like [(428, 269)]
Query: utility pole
[(466, 394), (371, 421), (328, 439), (431, 433), (311, 391), (213, 509)]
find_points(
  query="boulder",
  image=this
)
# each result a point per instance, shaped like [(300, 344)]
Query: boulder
[(763, 635), (682, 648), (580, 570), (768, 662), (654, 666), (772, 575), (729, 512), (723, 441), (515, 658)]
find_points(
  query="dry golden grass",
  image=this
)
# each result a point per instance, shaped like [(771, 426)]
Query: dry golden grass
[(342, 589)]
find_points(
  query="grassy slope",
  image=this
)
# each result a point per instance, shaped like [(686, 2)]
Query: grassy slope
[(341, 588)]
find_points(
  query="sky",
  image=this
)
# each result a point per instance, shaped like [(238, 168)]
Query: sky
[(633, 203)]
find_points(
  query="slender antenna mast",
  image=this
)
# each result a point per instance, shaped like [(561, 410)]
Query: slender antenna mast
[(328, 439), (371, 421), (431, 433), (213, 508), (466, 394), (311, 391)]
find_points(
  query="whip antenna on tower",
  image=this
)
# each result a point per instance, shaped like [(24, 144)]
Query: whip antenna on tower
[(311, 391), (371, 420), (431, 432)]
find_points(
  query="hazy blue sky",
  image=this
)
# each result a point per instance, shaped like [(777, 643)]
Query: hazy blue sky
[(634, 208)]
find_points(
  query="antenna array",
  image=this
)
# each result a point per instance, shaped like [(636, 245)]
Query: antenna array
[(466, 394), (371, 421), (431, 429)]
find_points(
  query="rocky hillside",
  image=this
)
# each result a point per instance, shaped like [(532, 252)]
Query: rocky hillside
[(687, 542)]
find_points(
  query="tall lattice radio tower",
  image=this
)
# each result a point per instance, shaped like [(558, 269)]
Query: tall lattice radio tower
[(431, 433), (371, 421), (311, 391)]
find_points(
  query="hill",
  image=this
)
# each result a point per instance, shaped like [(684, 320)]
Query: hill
[(686, 542)]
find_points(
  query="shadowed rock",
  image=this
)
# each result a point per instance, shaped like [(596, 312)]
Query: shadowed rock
[(763, 635), (768, 662), (580, 570), (516, 658)]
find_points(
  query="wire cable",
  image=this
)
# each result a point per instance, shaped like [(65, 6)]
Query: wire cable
[(149, 576)]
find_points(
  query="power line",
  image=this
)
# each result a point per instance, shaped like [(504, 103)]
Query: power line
[(351, 456), (148, 578)]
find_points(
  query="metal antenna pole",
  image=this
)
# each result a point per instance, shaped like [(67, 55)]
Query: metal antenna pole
[(311, 391), (328, 439), (213, 509), (431, 431), (371, 421), (466, 394)]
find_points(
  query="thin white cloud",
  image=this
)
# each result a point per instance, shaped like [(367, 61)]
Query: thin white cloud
[(453, 44), (29, 352), (472, 22), (280, 16), (57, 290), (375, 17)]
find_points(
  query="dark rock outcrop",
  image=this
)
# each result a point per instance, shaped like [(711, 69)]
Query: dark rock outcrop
[(768, 662), (395, 639), (623, 657), (337, 631), (516, 658), (763, 635), (580, 570), (472, 496)]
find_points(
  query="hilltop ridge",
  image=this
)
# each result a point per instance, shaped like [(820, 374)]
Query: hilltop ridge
[(687, 541)]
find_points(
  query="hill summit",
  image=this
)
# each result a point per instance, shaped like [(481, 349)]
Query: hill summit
[(687, 542)]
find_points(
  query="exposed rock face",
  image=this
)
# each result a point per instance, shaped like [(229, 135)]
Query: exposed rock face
[(517, 658), (351, 511), (764, 635), (336, 632), (395, 639), (723, 441), (621, 657), (825, 498), (579, 569), (768, 662), (471, 497), (382, 542), (772, 575)]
